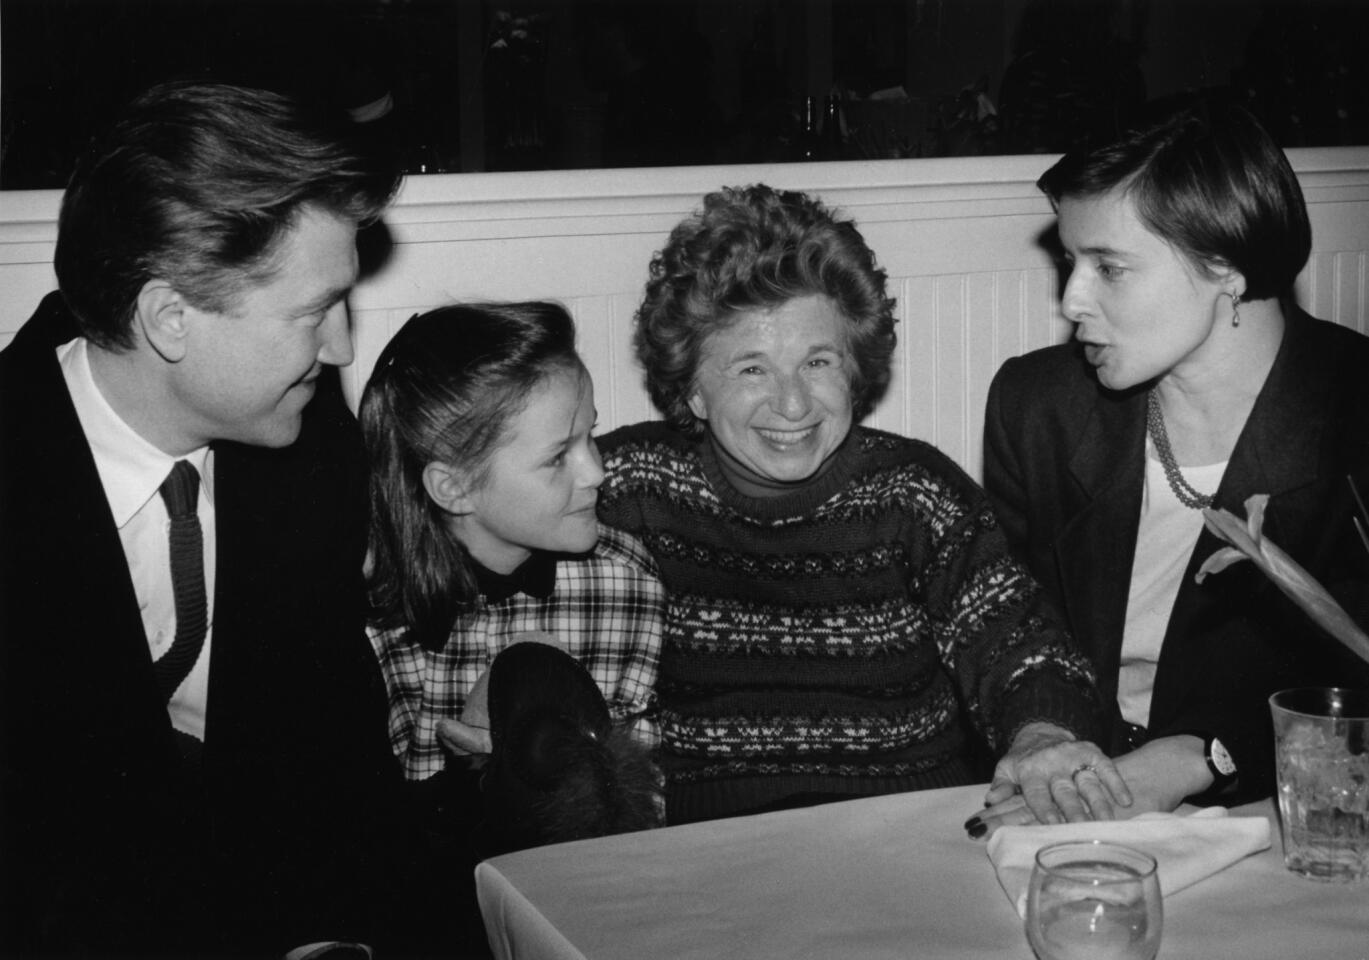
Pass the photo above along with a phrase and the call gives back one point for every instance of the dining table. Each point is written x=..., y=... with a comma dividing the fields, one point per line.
x=891, y=876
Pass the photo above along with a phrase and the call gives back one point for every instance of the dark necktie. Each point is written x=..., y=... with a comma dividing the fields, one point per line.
x=181, y=491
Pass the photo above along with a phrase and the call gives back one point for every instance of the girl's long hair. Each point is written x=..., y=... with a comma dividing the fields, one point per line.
x=444, y=390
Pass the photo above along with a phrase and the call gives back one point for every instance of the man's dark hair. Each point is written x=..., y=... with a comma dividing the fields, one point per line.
x=196, y=184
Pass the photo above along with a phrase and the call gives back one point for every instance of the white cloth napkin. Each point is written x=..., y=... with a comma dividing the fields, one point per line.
x=1186, y=848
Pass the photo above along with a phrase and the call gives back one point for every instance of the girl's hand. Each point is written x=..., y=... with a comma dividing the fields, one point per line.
x=462, y=739
x=1058, y=777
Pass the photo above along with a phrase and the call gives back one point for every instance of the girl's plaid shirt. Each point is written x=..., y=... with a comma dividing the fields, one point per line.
x=607, y=607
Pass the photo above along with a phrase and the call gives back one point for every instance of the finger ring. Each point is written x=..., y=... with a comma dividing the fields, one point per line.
x=1080, y=769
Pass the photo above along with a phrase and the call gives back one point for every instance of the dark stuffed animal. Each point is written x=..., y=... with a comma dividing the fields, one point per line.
x=560, y=769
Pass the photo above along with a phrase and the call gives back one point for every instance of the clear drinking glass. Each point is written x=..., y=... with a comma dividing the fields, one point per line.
x=1321, y=754
x=1091, y=900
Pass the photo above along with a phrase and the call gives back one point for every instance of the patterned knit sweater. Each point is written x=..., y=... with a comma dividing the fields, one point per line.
x=840, y=640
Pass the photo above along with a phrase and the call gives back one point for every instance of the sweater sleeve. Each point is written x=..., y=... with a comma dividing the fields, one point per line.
x=1012, y=661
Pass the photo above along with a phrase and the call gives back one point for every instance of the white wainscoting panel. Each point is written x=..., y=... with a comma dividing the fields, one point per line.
x=961, y=240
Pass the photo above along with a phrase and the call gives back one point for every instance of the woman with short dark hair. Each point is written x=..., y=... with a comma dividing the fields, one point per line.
x=1212, y=184
x=1195, y=381
x=843, y=619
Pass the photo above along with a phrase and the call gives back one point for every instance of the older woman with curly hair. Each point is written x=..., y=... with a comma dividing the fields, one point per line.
x=844, y=618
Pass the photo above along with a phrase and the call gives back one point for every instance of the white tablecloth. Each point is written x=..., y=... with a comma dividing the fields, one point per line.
x=886, y=877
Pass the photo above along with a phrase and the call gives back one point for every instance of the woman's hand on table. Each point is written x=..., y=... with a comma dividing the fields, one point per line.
x=1162, y=772
x=1048, y=776
x=1159, y=775
x=462, y=739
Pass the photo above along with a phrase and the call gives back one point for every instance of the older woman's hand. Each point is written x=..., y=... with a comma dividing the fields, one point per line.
x=1058, y=777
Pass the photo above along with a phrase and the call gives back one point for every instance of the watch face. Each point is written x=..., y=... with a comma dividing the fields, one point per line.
x=1221, y=759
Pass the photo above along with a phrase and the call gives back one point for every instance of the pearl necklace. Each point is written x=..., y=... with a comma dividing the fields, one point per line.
x=1155, y=423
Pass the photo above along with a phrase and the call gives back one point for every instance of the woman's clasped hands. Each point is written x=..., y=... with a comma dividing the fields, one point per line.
x=1049, y=776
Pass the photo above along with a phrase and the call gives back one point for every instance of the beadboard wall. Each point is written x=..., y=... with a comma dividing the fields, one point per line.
x=959, y=238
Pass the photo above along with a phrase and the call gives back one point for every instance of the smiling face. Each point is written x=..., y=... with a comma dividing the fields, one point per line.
x=249, y=371
x=1142, y=309
x=775, y=387
x=540, y=485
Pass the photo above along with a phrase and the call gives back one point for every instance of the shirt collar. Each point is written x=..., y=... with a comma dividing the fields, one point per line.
x=535, y=576
x=131, y=469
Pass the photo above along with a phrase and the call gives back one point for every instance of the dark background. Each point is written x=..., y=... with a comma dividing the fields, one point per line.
x=508, y=85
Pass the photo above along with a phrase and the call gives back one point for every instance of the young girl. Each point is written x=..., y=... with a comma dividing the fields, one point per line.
x=484, y=481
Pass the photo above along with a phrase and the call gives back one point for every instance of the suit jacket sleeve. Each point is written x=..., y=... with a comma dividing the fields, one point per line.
x=1003, y=478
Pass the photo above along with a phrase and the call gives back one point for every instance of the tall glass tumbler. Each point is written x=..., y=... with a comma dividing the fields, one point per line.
x=1321, y=752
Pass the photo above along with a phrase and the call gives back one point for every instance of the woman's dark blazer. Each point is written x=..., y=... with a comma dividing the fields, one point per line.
x=1064, y=464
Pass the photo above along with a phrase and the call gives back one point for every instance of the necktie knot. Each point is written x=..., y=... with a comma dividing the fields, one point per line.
x=181, y=490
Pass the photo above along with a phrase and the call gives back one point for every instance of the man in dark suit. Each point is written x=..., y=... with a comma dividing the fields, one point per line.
x=193, y=757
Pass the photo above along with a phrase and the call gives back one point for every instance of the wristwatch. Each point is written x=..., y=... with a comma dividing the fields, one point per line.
x=1219, y=762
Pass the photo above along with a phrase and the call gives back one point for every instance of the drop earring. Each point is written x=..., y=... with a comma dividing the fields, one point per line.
x=1235, y=309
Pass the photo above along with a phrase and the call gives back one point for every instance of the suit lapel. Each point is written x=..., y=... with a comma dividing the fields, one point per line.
x=255, y=579
x=106, y=660
x=1095, y=548
x=1277, y=452
x=1280, y=448
x=231, y=686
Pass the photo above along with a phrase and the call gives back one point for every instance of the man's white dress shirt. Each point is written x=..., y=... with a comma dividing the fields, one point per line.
x=131, y=471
